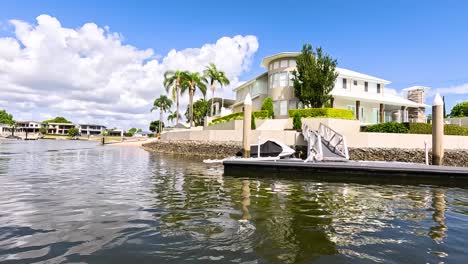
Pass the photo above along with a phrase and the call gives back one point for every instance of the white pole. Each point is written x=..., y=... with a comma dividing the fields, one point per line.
x=437, y=130
x=247, y=124
x=258, y=151
x=426, y=152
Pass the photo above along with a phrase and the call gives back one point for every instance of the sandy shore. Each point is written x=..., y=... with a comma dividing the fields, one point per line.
x=136, y=143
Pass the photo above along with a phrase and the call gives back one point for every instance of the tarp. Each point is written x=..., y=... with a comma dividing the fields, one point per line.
x=267, y=149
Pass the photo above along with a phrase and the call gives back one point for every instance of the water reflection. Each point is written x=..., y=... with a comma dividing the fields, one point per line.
x=439, y=231
x=86, y=205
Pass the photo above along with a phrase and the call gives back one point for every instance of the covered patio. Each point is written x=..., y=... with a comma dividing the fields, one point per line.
x=377, y=108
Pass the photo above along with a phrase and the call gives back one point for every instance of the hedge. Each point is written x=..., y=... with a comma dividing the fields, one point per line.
x=322, y=112
x=258, y=114
x=423, y=128
x=415, y=128
x=390, y=127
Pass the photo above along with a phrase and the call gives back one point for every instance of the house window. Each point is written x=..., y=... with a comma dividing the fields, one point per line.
x=283, y=79
x=352, y=108
x=378, y=88
x=271, y=66
x=284, y=63
x=275, y=80
x=355, y=82
x=344, y=83
x=366, y=86
x=276, y=65
x=292, y=63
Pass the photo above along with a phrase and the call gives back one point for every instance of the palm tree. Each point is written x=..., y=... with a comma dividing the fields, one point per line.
x=163, y=103
x=192, y=81
x=172, y=116
x=215, y=76
x=173, y=80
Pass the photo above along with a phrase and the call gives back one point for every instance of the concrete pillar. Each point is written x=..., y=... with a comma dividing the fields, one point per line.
x=247, y=124
x=403, y=114
x=381, y=114
x=437, y=130
x=358, y=106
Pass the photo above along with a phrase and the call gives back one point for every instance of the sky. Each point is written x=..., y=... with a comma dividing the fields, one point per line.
x=103, y=61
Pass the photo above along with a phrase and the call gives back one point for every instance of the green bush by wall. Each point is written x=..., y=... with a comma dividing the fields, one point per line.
x=259, y=114
x=422, y=128
x=322, y=112
x=390, y=127
x=297, y=122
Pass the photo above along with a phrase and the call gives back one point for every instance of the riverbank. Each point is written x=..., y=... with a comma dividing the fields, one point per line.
x=228, y=149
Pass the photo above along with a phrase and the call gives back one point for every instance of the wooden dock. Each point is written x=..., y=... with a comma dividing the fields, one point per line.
x=362, y=171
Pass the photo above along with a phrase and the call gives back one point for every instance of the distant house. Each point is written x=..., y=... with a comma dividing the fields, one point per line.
x=59, y=128
x=221, y=106
x=28, y=126
x=363, y=94
x=90, y=129
x=116, y=133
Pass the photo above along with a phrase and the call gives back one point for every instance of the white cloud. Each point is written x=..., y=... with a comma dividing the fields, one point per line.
x=89, y=75
x=456, y=89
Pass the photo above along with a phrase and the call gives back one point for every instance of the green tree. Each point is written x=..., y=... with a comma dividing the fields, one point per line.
x=192, y=81
x=155, y=125
x=213, y=75
x=43, y=130
x=268, y=105
x=172, y=116
x=459, y=110
x=315, y=77
x=6, y=118
x=58, y=119
x=172, y=82
x=200, y=109
x=164, y=104
x=73, y=132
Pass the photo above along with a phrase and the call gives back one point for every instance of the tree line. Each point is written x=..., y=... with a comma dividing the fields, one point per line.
x=178, y=83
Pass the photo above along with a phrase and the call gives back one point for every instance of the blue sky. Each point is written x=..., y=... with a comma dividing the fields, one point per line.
x=406, y=42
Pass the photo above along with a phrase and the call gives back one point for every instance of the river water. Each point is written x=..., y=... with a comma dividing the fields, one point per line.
x=79, y=202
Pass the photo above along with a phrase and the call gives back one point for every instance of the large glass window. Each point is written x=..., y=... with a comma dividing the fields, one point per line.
x=276, y=65
x=275, y=80
x=344, y=83
x=291, y=79
x=292, y=63
x=283, y=79
x=284, y=63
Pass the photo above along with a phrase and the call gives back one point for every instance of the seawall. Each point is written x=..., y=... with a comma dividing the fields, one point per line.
x=228, y=149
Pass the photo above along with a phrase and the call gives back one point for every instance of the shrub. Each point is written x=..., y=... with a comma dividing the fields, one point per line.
x=253, y=126
x=422, y=128
x=455, y=130
x=322, y=112
x=261, y=114
x=297, y=122
x=390, y=127
x=267, y=105
x=226, y=118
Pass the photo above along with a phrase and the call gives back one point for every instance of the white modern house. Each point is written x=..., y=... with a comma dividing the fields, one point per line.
x=91, y=129
x=28, y=126
x=365, y=95
x=59, y=128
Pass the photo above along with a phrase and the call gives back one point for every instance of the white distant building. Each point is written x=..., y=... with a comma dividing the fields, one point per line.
x=59, y=128
x=363, y=94
x=90, y=129
x=28, y=126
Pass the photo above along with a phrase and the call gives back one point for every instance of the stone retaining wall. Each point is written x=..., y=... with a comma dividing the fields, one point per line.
x=229, y=149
